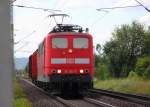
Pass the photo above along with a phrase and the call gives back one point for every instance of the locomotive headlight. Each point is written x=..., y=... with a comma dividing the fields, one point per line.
x=81, y=71
x=70, y=50
x=59, y=71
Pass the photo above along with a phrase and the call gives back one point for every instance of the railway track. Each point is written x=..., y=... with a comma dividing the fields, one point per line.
x=82, y=102
x=58, y=99
x=142, y=100
x=88, y=101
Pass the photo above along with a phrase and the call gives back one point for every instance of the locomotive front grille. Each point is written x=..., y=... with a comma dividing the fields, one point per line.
x=70, y=78
x=71, y=82
x=70, y=60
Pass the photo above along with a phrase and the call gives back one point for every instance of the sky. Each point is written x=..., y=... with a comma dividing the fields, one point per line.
x=32, y=25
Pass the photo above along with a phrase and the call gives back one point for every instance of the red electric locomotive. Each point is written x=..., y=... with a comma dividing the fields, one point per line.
x=64, y=60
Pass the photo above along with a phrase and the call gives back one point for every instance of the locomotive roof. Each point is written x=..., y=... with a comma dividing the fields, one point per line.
x=69, y=34
x=68, y=28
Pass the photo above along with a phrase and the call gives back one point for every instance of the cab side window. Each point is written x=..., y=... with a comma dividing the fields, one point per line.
x=41, y=48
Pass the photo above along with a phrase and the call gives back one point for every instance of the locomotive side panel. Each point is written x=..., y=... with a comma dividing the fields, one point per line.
x=34, y=65
x=30, y=66
x=42, y=76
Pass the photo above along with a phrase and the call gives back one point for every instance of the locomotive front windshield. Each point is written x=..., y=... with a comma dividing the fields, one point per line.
x=59, y=43
x=80, y=43
x=77, y=43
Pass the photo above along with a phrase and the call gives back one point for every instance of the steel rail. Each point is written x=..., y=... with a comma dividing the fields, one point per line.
x=59, y=99
x=66, y=103
x=98, y=103
x=143, y=100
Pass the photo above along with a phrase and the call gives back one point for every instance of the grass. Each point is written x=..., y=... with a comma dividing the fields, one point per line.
x=20, y=99
x=127, y=85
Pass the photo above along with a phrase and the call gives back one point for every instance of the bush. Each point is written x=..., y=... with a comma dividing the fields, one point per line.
x=143, y=67
x=102, y=72
x=133, y=75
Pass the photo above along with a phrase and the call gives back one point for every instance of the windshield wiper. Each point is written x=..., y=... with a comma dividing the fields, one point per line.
x=56, y=46
x=84, y=47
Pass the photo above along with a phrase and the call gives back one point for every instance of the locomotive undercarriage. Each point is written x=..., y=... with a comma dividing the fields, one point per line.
x=67, y=84
x=70, y=84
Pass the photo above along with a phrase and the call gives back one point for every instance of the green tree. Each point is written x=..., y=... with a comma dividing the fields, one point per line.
x=143, y=67
x=124, y=48
x=146, y=49
x=98, y=48
x=96, y=60
x=100, y=58
x=101, y=68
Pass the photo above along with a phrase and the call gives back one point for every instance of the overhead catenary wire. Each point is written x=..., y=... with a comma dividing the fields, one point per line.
x=25, y=37
x=21, y=47
x=108, y=10
x=119, y=7
x=32, y=32
x=44, y=9
x=100, y=18
x=143, y=6
x=63, y=4
x=25, y=51
x=13, y=1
